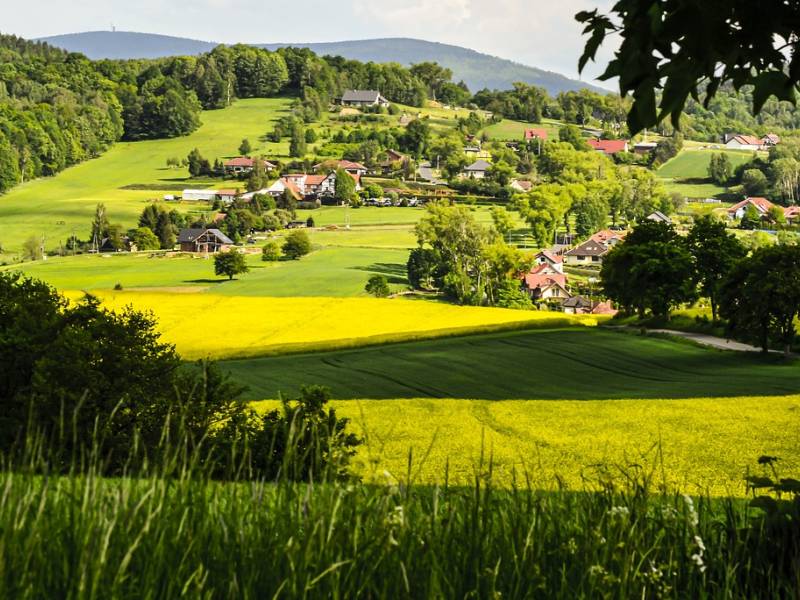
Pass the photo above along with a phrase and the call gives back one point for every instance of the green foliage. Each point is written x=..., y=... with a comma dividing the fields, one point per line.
x=297, y=145
x=651, y=270
x=715, y=253
x=502, y=220
x=571, y=134
x=230, y=263
x=761, y=296
x=271, y=251
x=296, y=245
x=198, y=166
x=344, y=188
x=679, y=47
x=754, y=182
x=424, y=269
x=751, y=218
x=378, y=286
x=144, y=239
x=720, y=169
x=245, y=148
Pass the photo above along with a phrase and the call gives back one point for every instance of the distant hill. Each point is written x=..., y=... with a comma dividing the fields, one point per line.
x=477, y=70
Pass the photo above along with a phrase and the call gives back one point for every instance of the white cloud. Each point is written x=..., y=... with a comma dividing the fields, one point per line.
x=407, y=16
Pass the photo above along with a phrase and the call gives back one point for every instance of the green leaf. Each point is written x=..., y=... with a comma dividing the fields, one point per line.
x=765, y=503
x=771, y=83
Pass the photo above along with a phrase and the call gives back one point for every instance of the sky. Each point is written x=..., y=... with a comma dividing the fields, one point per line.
x=539, y=33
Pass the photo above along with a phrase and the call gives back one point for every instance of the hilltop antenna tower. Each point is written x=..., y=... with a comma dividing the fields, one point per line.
x=113, y=28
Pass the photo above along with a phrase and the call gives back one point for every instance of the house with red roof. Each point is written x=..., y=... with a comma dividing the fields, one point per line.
x=770, y=139
x=535, y=134
x=354, y=168
x=545, y=283
x=743, y=142
x=762, y=205
x=521, y=185
x=243, y=164
x=609, y=147
x=792, y=214
x=553, y=260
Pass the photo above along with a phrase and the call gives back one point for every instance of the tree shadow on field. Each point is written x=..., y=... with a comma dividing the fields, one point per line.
x=394, y=272
x=217, y=281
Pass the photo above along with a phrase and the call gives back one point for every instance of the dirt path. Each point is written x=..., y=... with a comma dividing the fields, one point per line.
x=711, y=340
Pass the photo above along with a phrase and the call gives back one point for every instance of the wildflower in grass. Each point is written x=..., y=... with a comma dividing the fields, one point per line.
x=619, y=511
x=690, y=510
x=697, y=557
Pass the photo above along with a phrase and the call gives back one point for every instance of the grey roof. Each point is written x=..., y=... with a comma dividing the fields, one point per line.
x=588, y=248
x=479, y=165
x=576, y=302
x=361, y=96
x=190, y=235
x=657, y=215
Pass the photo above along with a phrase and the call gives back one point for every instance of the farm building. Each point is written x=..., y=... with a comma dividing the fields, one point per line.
x=363, y=98
x=228, y=195
x=743, y=142
x=206, y=195
x=658, y=217
x=207, y=241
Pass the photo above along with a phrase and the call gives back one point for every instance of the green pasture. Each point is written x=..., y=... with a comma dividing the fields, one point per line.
x=511, y=130
x=55, y=207
x=687, y=173
x=550, y=365
x=328, y=271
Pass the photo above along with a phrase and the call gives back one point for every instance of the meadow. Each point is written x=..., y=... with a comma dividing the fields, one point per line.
x=55, y=207
x=687, y=173
x=508, y=129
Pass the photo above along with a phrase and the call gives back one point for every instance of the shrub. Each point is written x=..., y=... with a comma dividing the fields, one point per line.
x=271, y=251
x=378, y=286
x=297, y=245
x=230, y=263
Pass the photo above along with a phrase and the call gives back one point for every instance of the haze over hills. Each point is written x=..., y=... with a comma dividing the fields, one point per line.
x=476, y=69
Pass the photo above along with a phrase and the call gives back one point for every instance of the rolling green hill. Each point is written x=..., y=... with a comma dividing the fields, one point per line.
x=582, y=364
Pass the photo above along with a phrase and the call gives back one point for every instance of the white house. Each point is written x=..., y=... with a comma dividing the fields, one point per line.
x=762, y=206
x=744, y=142
x=363, y=98
x=521, y=185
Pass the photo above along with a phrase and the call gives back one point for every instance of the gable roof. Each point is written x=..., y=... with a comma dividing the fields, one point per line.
x=550, y=257
x=762, y=205
x=657, y=215
x=523, y=184
x=605, y=235
x=531, y=134
x=588, y=248
x=361, y=96
x=190, y=235
x=577, y=302
x=746, y=140
x=240, y=161
x=791, y=212
x=609, y=146
x=771, y=138
x=479, y=165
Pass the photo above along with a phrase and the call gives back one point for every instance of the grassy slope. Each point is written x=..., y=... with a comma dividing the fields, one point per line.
x=577, y=364
x=687, y=173
x=56, y=206
x=508, y=129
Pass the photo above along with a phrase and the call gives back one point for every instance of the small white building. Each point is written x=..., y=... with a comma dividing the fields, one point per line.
x=202, y=195
x=476, y=170
x=363, y=98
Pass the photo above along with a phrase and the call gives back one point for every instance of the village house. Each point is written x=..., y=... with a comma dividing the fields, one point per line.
x=535, y=134
x=554, y=261
x=476, y=170
x=243, y=165
x=306, y=186
x=394, y=160
x=206, y=241
x=770, y=139
x=762, y=206
x=580, y=305
x=609, y=147
x=643, y=148
x=227, y=196
x=658, y=217
x=743, y=142
x=544, y=283
x=361, y=98
x=521, y=185
x=592, y=251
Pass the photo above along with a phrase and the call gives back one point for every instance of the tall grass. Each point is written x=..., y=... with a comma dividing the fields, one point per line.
x=174, y=531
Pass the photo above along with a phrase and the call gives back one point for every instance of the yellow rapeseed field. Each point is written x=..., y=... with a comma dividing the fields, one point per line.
x=706, y=445
x=206, y=325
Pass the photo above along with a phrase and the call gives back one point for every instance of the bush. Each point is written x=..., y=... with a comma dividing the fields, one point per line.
x=378, y=286
x=271, y=251
x=297, y=245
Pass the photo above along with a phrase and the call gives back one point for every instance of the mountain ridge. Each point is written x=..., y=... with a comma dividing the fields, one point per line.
x=476, y=69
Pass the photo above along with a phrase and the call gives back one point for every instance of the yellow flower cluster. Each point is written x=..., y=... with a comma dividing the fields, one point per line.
x=210, y=325
x=692, y=445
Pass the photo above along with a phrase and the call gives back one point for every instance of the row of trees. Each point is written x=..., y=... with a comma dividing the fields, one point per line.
x=656, y=270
